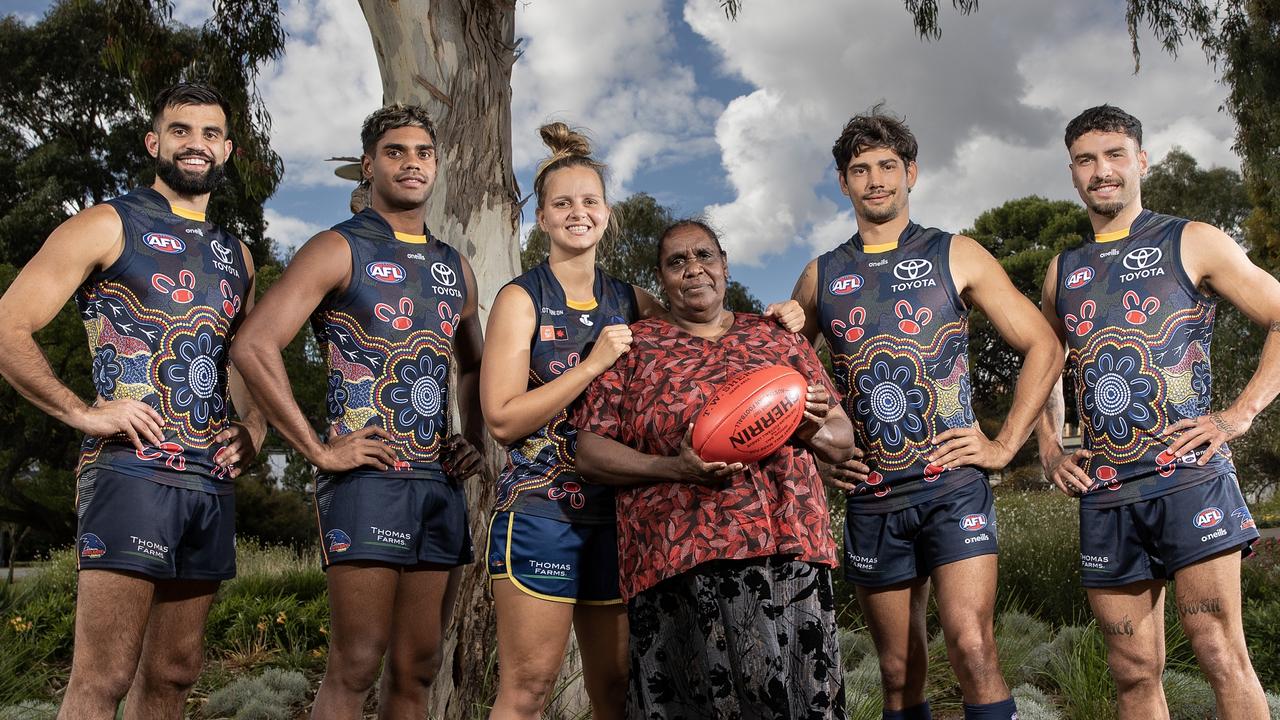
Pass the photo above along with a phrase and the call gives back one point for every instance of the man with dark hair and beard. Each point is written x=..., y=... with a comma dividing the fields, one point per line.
x=1133, y=309
x=161, y=291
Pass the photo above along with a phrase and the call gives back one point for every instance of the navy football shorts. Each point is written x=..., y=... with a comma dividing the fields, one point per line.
x=894, y=547
x=394, y=520
x=163, y=532
x=1153, y=539
x=555, y=560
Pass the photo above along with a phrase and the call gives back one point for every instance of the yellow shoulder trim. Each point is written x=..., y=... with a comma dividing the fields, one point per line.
x=1112, y=236
x=583, y=306
x=185, y=213
x=882, y=247
x=411, y=239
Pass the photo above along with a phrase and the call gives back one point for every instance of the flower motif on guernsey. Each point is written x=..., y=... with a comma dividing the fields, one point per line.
x=1119, y=393
x=890, y=399
x=107, y=369
x=418, y=396
x=193, y=374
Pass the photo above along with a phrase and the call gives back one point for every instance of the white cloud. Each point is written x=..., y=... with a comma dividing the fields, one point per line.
x=322, y=89
x=613, y=71
x=987, y=102
x=192, y=12
x=289, y=232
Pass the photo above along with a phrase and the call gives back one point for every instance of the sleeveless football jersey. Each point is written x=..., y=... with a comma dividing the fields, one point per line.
x=539, y=477
x=387, y=340
x=159, y=321
x=1138, y=337
x=899, y=337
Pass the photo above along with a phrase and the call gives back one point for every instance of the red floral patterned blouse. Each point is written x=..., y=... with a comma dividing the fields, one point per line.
x=646, y=400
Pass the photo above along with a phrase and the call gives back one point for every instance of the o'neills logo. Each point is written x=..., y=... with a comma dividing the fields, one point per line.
x=913, y=274
x=1142, y=262
x=757, y=428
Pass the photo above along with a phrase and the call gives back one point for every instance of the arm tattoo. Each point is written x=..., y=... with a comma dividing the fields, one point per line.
x=1275, y=326
x=1221, y=424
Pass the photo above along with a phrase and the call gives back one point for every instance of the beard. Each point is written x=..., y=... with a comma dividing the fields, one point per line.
x=186, y=183
x=1108, y=208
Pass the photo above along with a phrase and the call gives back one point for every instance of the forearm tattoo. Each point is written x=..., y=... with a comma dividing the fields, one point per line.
x=1221, y=424
x=1275, y=326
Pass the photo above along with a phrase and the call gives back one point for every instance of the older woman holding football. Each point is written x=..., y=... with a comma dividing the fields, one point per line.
x=726, y=567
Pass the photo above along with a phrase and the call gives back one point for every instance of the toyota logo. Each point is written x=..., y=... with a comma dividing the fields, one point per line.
x=912, y=269
x=220, y=250
x=1142, y=258
x=443, y=274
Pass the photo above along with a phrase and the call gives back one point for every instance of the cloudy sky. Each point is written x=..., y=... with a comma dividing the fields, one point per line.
x=736, y=119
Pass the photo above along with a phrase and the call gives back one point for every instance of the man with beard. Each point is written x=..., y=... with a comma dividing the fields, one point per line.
x=161, y=291
x=1159, y=499
x=392, y=308
x=893, y=305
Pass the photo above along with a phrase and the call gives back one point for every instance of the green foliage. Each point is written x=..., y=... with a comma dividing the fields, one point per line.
x=629, y=250
x=1189, y=696
x=1040, y=549
x=1023, y=642
x=273, y=515
x=1248, y=48
x=1033, y=704
x=271, y=695
x=29, y=710
x=74, y=107
x=1077, y=668
x=1024, y=235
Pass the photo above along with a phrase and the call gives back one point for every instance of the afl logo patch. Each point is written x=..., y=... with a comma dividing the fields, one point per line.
x=846, y=284
x=385, y=272
x=164, y=243
x=1208, y=517
x=974, y=522
x=1079, y=278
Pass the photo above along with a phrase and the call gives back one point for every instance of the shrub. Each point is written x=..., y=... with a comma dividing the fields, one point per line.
x=1189, y=696
x=1040, y=556
x=29, y=710
x=268, y=696
x=1023, y=642
x=1033, y=704
x=1077, y=670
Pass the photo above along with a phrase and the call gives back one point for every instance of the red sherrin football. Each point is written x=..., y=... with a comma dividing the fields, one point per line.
x=751, y=415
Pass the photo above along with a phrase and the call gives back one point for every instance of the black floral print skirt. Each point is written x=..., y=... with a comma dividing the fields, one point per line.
x=737, y=640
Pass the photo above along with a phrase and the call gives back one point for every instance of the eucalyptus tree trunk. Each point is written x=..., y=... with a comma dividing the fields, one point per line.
x=454, y=57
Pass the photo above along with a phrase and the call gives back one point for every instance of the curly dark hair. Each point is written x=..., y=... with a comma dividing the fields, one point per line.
x=876, y=128
x=1104, y=118
x=391, y=117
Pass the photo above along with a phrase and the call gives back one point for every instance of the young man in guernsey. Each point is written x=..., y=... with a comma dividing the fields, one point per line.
x=161, y=291
x=1159, y=499
x=392, y=308
x=893, y=304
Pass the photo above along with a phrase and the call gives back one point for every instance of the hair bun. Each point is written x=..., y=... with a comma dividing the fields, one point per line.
x=563, y=140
